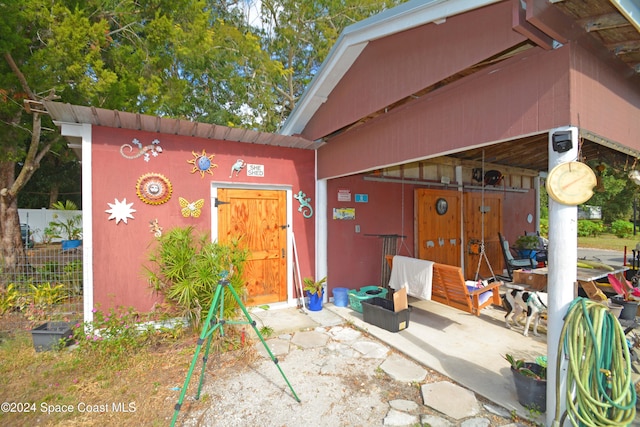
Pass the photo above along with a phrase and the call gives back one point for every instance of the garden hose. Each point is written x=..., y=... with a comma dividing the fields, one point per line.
x=599, y=390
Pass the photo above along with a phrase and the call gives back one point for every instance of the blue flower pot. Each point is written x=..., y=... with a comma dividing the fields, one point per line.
x=315, y=302
x=527, y=253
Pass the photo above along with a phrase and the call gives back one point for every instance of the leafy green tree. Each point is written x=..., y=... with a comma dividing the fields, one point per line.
x=616, y=197
x=300, y=34
x=170, y=58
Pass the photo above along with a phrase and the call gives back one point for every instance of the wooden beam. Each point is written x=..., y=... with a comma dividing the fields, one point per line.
x=604, y=22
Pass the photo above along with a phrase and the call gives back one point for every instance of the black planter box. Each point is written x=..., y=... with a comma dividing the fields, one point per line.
x=48, y=335
x=379, y=312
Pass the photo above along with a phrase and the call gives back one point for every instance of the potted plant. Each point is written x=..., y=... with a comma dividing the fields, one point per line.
x=67, y=227
x=527, y=246
x=530, y=379
x=314, y=290
x=627, y=296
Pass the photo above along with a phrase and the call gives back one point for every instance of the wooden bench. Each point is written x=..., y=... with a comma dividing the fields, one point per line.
x=449, y=287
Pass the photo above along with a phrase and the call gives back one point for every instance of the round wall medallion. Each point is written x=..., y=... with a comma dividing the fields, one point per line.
x=154, y=188
x=442, y=206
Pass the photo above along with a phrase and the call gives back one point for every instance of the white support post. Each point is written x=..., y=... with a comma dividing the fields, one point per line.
x=561, y=281
x=321, y=232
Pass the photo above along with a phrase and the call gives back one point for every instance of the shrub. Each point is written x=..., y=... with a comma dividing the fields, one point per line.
x=589, y=228
x=621, y=228
x=112, y=334
x=186, y=268
x=48, y=294
x=544, y=226
x=8, y=298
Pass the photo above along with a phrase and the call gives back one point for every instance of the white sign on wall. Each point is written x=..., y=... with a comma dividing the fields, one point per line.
x=255, y=170
x=344, y=195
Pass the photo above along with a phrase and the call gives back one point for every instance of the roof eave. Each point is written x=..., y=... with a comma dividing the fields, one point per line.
x=630, y=9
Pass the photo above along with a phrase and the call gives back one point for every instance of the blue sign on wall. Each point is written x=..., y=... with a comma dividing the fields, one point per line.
x=362, y=198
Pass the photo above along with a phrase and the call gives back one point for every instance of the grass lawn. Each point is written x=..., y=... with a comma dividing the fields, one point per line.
x=609, y=241
x=75, y=388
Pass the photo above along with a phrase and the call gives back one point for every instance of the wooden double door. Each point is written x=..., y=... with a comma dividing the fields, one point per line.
x=451, y=227
x=258, y=218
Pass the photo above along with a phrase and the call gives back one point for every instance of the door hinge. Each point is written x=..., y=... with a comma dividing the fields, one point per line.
x=219, y=202
x=284, y=226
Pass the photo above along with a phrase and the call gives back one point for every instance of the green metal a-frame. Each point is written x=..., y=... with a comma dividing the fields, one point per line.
x=211, y=324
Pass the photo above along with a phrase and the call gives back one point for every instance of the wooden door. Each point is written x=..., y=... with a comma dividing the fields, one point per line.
x=259, y=219
x=438, y=230
x=479, y=214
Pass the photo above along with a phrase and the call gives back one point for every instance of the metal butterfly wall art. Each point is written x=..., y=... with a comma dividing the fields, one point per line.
x=192, y=209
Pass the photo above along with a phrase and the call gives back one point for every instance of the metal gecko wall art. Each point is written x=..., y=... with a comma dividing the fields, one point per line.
x=237, y=167
x=155, y=228
x=304, y=204
x=145, y=152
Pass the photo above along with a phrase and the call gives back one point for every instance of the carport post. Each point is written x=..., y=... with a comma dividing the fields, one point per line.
x=562, y=262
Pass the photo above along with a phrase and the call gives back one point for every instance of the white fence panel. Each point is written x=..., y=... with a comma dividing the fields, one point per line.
x=39, y=219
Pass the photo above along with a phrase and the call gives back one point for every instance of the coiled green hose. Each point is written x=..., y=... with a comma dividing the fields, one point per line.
x=599, y=387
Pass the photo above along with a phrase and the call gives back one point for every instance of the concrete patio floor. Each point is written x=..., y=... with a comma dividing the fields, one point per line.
x=466, y=348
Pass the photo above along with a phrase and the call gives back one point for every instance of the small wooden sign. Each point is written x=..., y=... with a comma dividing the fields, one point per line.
x=400, y=300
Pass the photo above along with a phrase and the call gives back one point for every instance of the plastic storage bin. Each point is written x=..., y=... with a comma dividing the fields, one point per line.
x=367, y=292
x=379, y=312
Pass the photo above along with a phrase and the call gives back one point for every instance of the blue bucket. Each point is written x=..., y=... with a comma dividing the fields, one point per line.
x=340, y=297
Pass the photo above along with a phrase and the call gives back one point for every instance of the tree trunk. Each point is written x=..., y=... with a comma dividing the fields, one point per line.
x=10, y=240
x=53, y=194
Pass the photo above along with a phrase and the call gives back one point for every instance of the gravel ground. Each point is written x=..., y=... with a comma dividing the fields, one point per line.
x=337, y=386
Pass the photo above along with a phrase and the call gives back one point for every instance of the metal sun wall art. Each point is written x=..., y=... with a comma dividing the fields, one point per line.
x=202, y=163
x=193, y=209
x=120, y=211
x=154, y=188
x=146, y=152
x=305, y=207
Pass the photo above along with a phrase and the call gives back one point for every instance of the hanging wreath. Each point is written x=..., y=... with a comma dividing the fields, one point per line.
x=154, y=188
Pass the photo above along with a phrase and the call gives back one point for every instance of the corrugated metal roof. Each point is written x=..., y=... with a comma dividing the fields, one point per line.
x=68, y=113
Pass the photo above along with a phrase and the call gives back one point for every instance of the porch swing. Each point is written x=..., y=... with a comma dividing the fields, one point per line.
x=449, y=287
x=479, y=247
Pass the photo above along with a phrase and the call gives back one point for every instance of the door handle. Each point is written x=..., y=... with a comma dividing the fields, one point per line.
x=282, y=252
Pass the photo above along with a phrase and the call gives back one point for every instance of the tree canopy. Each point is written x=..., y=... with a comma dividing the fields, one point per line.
x=241, y=64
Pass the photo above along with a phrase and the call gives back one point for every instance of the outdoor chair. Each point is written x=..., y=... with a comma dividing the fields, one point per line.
x=512, y=263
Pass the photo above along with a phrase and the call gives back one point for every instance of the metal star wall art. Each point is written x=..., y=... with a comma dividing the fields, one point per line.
x=120, y=211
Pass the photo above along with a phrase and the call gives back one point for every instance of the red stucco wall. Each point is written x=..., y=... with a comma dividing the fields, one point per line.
x=521, y=96
x=120, y=250
x=602, y=102
x=355, y=259
x=405, y=63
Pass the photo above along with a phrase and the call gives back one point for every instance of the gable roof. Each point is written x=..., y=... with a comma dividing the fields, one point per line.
x=613, y=25
x=354, y=39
